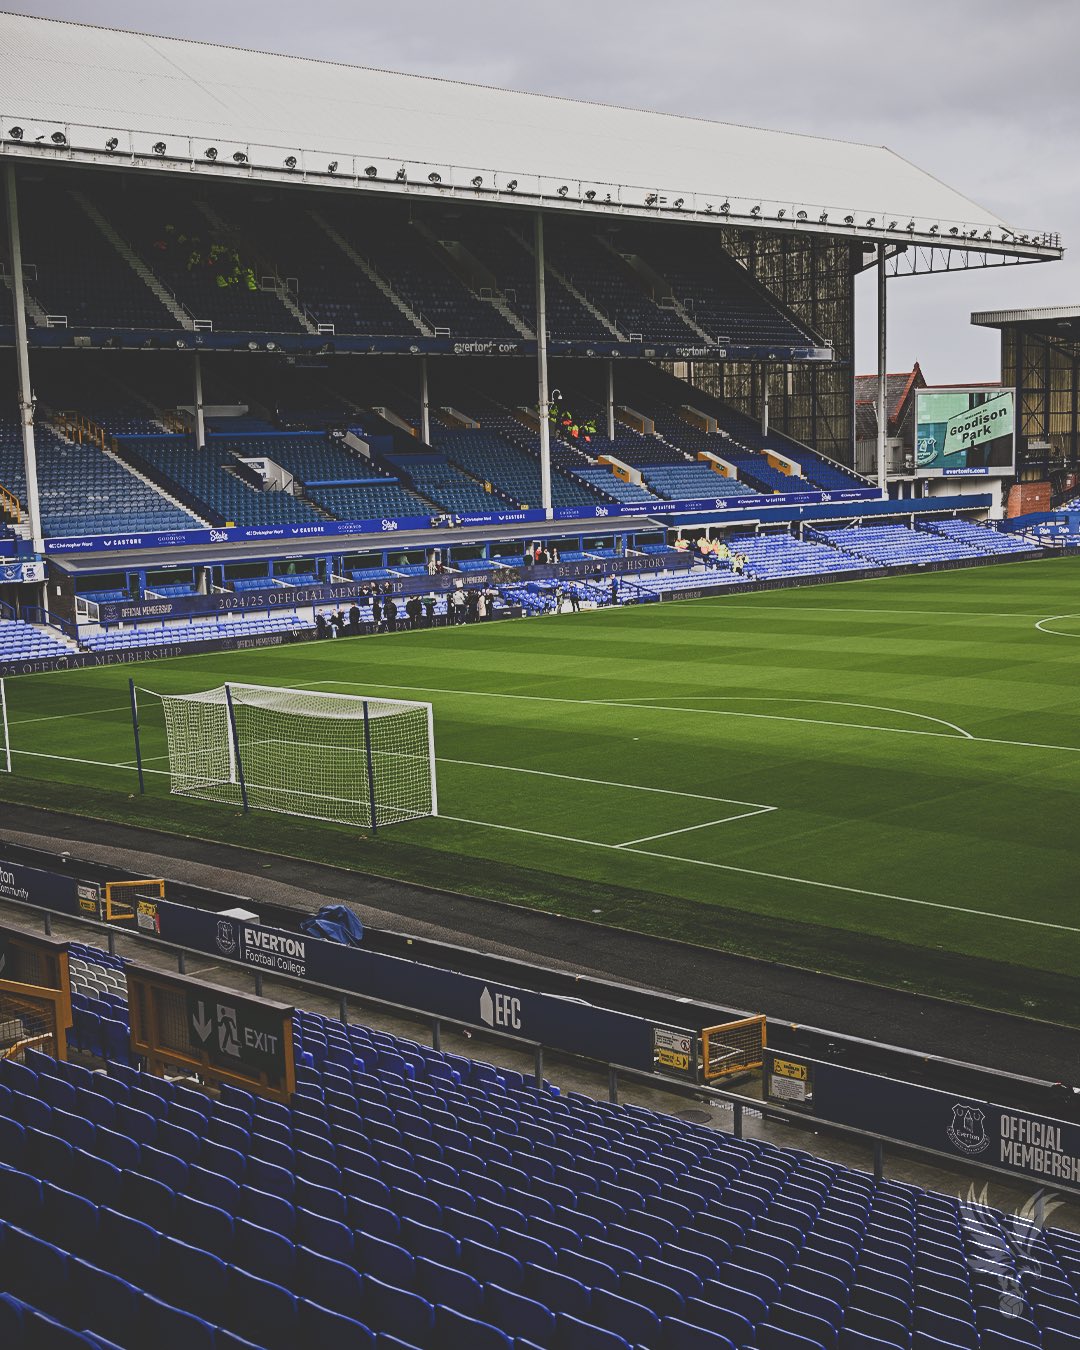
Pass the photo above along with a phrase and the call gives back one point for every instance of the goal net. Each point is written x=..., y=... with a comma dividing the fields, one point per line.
x=338, y=757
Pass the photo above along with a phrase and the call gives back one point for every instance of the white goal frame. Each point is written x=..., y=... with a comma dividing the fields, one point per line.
x=346, y=758
x=5, y=733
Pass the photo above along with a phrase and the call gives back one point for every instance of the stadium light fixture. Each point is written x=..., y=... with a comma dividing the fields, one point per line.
x=239, y=157
x=725, y=207
x=15, y=133
x=849, y=220
x=401, y=175
x=211, y=152
x=332, y=166
x=781, y=213
x=58, y=138
x=755, y=210
x=986, y=234
x=871, y=222
x=371, y=171
x=677, y=204
x=512, y=185
x=290, y=162
x=650, y=200
x=823, y=219
x=432, y=177
x=892, y=224
x=590, y=196
x=253, y=346
x=478, y=181
x=564, y=190
x=159, y=147
x=911, y=226
x=111, y=143
x=933, y=229
x=953, y=230
x=800, y=215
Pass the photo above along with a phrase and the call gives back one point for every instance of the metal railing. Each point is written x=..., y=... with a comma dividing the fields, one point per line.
x=741, y=1103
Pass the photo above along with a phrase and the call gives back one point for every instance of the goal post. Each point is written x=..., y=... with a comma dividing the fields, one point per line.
x=5, y=737
x=345, y=758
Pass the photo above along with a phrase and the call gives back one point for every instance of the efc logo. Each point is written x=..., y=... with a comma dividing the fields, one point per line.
x=500, y=1011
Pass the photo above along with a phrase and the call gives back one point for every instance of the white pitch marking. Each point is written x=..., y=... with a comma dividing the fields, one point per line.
x=699, y=712
x=824, y=702
x=605, y=782
x=771, y=876
x=686, y=829
x=1053, y=618
x=99, y=763
x=57, y=717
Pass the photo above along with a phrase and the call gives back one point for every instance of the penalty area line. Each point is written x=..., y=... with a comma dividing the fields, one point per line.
x=771, y=876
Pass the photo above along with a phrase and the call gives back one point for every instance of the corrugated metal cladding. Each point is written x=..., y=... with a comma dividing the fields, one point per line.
x=64, y=73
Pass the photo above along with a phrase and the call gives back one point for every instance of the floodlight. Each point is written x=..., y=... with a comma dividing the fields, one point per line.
x=478, y=181
x=332, y=166
x=290, y=162
x=563, y=190
x=892, y=224
x=253, y=346
x=849, y=220
x=210, y=152
x=823, y=219
x=953, y=229
x=401, y=175
x=871, y=222
x=15, y=134
x=911, y=225
x=512, y=185
x=781, y=213
x=58, y=138
x=726, y=207
x=371, y=171
x=677, y=203
x=271, y=346
x=432, y=177
x=590, y=196
x=755, y=210
x=933, y=229
x=986, y=234
x=159, y=147
x=650, y=200
x=239, y=157
x=800, y=215
x=111, y=143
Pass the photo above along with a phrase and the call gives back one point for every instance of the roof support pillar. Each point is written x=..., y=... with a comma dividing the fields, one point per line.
x=200, y=414
x=542, y=367
x=25, y=395
x=425, y=403
x=610, y=399
x=882, y=367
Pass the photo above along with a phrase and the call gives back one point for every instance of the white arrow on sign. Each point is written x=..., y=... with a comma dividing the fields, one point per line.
x=203, y=1025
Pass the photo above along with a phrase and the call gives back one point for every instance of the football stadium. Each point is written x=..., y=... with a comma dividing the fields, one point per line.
x=450, y=567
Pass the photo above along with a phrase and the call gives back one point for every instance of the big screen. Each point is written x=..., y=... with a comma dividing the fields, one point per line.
x=961, y=432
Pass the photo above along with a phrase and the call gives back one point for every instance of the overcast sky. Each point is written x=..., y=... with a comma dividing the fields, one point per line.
x=982, y=93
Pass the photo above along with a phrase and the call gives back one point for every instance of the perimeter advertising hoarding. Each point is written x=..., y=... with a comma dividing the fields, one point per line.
x=965, y=432
x=970, y=1129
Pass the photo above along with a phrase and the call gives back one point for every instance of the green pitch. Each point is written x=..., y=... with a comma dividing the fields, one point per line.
x=879, y=778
